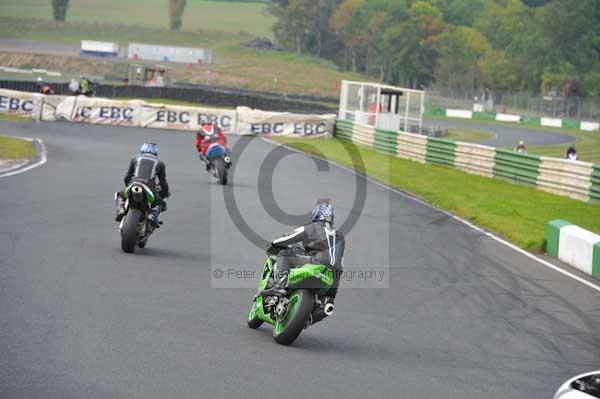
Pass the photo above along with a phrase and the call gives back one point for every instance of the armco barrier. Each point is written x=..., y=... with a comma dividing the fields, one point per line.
x=343, y=130
x=575, y=246
x=385, y=142
x=475, y=158
x=484, y=116
x=568, y=178
x=531, y=120
x=578, y=180
x=440, y=151
x=412, y=147
x=516, y=167
x=364, y=135
x=594, y=193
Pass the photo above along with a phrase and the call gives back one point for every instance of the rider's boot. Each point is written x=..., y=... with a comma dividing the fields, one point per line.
x=153, y=216
x=120, y=207
x=279, y=287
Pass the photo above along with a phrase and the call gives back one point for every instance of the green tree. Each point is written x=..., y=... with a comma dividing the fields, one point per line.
x=515, y=30
x=414, y=44
x=569, y=28
x=591, y=82
x=59, y=9
x=295, y=24
x=176, y=8
x=461, y=12
x=497, y=71
x=344, y=23
x=373, y=18
x=460, y=50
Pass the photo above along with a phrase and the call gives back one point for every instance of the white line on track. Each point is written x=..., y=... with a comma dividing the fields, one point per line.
x=453, y=216
x=43, y=158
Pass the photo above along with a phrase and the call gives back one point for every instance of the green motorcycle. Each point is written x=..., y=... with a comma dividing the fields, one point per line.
x=134, y=227
x=304, y=304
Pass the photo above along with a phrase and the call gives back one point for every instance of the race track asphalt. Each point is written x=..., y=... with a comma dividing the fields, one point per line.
x=463, y=317
x=504, y=136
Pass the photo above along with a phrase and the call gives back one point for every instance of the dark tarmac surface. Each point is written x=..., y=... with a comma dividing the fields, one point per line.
x=463, y=317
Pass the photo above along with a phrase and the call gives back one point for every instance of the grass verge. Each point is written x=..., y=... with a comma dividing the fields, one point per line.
x=466, y=135
x=516, y=212
x=13, y=148
x=14, y=118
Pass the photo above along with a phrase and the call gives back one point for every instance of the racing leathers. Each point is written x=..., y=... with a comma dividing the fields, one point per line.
x=204, y=144
x=146, y=169
x=318, y=243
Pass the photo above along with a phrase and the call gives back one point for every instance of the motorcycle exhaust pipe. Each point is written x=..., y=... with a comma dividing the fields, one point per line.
x=137, y=192
x=329, y=309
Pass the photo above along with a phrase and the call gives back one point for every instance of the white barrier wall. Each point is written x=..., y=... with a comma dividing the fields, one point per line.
x=187, y=118
x=508, y=118
x=20, y=103
x=102, y=111
x=552, y=122
x=139, y=113
x=459, y=113
x=252, y=121
x=590, y=126
x=576, y=247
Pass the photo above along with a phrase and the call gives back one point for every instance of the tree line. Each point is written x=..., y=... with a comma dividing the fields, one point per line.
x=548, y=46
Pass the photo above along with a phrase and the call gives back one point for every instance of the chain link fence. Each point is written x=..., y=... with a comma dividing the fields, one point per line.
x=522, y=103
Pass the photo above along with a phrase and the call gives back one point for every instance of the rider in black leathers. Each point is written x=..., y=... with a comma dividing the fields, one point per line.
x=316, y=242
x=146, y=168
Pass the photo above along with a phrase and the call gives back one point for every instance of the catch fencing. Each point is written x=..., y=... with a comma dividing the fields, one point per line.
x=202, y=94
x=574, y=179
x=520, y=103
x=525, y=120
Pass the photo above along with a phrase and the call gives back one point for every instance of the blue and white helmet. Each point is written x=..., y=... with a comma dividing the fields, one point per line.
x=149, y=148
x=324, y=212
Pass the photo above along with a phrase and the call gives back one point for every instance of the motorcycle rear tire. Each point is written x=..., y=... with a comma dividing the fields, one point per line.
x=219, y=165
x=129, y=232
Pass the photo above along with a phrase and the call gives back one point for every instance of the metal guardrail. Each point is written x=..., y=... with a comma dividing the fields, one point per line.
x=516, y=167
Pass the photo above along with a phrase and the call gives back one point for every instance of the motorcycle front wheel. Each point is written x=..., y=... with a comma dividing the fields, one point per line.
x=300, y=306
x=253, y=321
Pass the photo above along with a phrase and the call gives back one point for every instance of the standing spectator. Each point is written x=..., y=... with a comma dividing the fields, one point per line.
x=74, y=87
x=39, y=84
x=94, y=85
x=43, y=87
x=521, y=147
x=571, y=154
x=84, y=86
